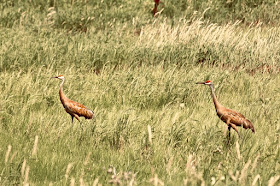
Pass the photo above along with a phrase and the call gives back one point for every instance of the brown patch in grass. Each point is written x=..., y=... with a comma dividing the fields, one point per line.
x=264, y=68
x=97, y=71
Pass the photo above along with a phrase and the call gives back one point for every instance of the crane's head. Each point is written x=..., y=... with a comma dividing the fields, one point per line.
x=208, y=82
x=61, y=77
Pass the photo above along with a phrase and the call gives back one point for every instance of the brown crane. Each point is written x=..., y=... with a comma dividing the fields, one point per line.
x=156, y=5
x=230, y=117
x=73, y=108
x=157, y=2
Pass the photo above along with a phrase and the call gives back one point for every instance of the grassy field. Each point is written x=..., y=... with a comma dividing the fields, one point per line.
x=153, y=125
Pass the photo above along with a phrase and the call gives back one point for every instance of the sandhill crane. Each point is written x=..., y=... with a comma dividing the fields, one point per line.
x=230, y=117
x=71, y=107
x=155, y=8
x=157, y=2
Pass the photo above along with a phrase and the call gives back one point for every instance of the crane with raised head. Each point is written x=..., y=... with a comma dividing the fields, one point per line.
x=230, y=117
x=73, y=108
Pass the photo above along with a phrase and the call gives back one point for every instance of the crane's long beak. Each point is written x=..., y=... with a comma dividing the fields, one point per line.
x=200, y=83
x=53, y=77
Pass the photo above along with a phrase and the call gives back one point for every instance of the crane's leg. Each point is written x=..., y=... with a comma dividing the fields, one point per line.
x=235, y=128
x=72, y=119
x=229, y=127
x=77, y=117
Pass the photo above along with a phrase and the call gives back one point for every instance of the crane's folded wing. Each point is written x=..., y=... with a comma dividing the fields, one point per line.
x=79, y=109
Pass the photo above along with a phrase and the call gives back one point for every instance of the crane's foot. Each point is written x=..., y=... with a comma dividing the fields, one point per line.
x=235, y=128
x=229, y=127
x=239, y=135
x=228, y=141
x=81, y=126
x=93, y=129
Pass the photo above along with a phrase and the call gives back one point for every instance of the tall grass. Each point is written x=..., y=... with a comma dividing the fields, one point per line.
x=153, y=124
x=181, y=116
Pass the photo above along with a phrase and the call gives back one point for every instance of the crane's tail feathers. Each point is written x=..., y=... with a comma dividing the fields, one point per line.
x=252, y=128
x=250, y=125
x=89, y=114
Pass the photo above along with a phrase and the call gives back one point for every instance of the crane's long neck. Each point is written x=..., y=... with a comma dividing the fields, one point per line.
x=61, y=94
x=216, y=103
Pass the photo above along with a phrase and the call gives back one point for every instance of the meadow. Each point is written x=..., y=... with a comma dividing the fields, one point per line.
x=153, y=125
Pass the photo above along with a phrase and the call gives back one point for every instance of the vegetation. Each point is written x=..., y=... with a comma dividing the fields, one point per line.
x=153, y=124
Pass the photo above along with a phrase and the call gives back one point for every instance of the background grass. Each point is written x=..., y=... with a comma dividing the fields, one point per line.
x=137, y=71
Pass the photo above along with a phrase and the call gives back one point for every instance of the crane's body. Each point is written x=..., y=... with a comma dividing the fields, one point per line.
x=230, y=117
x=73, y=108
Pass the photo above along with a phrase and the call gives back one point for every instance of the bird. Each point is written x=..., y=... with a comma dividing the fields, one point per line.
x=155, y=8
x=157, y=2
x=73, y=108
x=228, y=116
